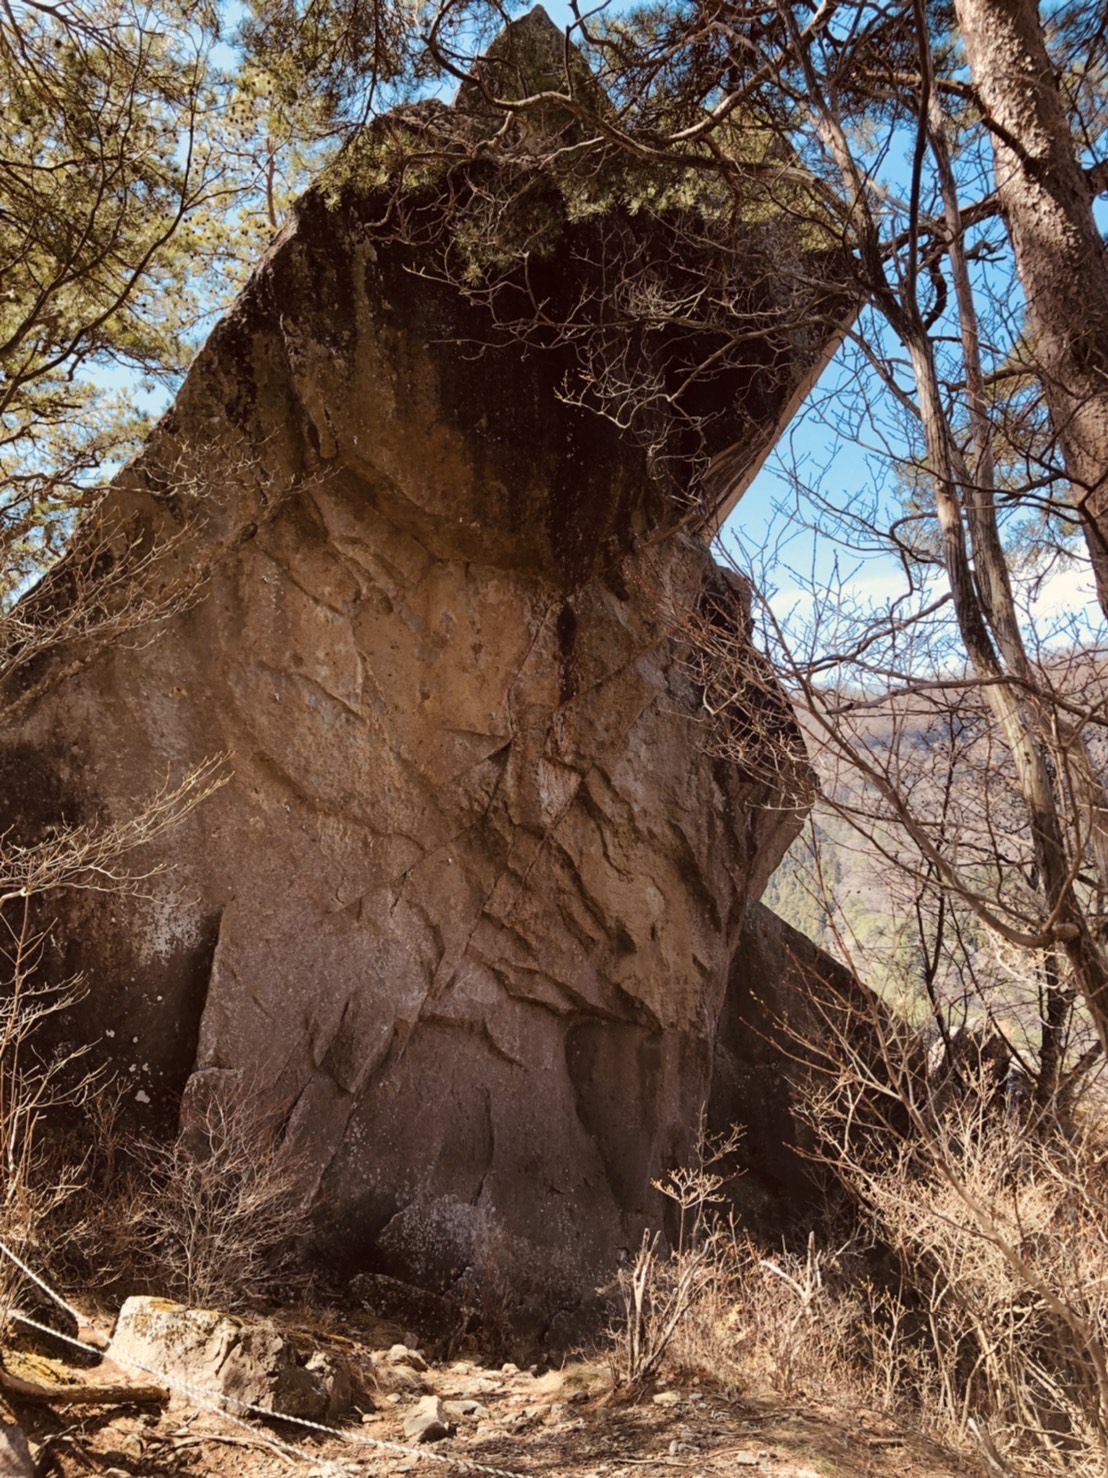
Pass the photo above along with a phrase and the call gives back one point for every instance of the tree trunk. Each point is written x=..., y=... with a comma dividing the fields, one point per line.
x=1059, y=254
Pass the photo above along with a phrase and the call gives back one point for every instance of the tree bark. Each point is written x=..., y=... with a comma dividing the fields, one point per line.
x=1060, y=257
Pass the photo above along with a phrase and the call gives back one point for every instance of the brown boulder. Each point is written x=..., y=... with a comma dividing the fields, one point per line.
x=209, y=1357
x=469, y=901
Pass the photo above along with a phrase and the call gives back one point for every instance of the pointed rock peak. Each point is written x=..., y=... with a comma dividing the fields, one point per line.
x=536, y=19
x=531, y=55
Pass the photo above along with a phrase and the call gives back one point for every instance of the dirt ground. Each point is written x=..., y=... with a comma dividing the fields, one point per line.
x=560, y=1423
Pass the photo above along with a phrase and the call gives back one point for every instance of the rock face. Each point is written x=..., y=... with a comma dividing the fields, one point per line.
x=764, y=1033
x=468, y=904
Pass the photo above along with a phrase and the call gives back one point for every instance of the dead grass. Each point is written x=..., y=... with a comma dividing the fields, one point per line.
x=974, y=1305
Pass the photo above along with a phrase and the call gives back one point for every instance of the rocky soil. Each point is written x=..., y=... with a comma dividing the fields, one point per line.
x=412, y=1415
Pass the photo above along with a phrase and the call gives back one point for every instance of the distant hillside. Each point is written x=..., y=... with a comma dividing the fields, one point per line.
x=856, y=884
x=836, y=890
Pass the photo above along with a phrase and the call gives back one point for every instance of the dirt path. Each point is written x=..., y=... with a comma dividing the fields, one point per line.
x=561, y=1424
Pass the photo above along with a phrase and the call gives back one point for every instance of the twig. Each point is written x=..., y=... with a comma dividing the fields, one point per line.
x=230, y=1441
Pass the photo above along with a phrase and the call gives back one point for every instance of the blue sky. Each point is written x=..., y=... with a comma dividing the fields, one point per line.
x=767, y=517
x=770, y=518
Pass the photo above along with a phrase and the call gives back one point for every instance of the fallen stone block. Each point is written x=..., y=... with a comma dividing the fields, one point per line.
x=209, y=1356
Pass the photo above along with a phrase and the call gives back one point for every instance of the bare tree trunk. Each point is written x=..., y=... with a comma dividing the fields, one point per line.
x=1066, y=918
x=1059, y=254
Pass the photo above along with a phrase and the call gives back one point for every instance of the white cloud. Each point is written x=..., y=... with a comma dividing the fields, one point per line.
x=1059, y=608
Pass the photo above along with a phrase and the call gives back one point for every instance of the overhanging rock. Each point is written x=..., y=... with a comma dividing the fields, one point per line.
x=468, y=905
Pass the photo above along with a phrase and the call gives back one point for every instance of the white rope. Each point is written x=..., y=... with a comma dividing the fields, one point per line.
x=215, y=1402
x=34, y=1277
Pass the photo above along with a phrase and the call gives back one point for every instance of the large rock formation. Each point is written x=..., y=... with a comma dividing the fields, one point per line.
x=469, y=903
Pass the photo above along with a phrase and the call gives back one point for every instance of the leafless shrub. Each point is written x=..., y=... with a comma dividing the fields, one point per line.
x=661, y=1288
x=488, y=1297
x=971, y=1295
x=745, y=717
x=98, y=858
x=794, y=1323
x=137, y=553
x=38, y=1076
x=224, y=1203
x=52, y=1194
x=725, y=1307
x=994, y=1205
x=115, y=586
x=33, y=1084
